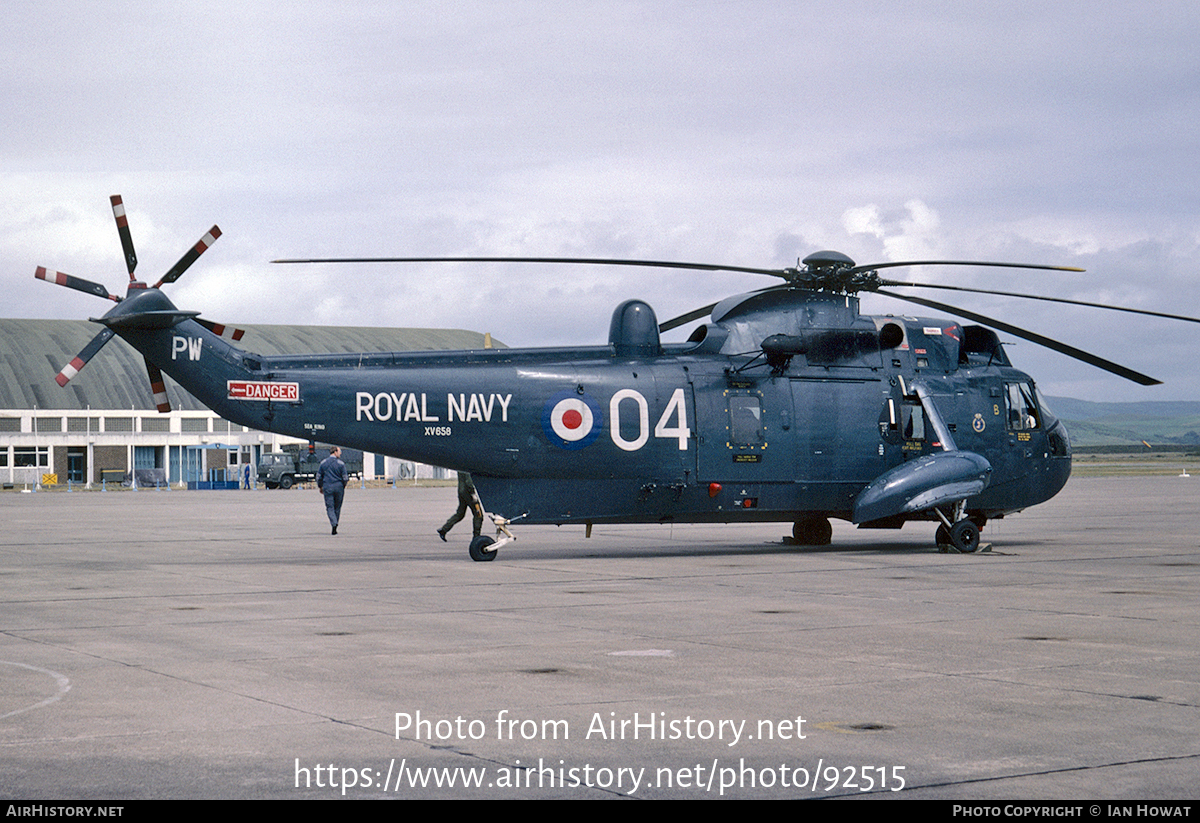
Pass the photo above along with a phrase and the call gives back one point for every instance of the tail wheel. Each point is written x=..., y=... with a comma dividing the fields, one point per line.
x=479, y=549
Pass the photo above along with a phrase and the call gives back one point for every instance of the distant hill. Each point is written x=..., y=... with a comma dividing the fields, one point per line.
x=1175, y=422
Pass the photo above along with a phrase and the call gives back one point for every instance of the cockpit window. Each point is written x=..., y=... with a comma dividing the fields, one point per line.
x=1046, y=416
x=1022, y=409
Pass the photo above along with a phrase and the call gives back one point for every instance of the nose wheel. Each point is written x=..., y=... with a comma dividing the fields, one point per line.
x=962, y=534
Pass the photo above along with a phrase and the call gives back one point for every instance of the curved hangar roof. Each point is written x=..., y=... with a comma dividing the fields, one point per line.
x=33, y=351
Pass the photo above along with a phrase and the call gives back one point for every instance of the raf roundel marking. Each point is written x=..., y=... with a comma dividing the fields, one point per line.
x=571, y=421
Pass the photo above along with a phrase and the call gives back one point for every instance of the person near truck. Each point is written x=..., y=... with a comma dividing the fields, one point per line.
x=467, y=499
x=331, y=482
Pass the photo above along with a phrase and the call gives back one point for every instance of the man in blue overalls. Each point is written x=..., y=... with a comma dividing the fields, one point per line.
x=331, y=481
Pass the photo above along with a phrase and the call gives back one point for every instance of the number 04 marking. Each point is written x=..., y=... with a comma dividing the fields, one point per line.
x=676, y=408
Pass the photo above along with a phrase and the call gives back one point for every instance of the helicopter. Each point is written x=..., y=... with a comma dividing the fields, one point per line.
x=785, y=405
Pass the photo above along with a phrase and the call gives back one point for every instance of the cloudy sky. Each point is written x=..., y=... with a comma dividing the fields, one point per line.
x=744, y=133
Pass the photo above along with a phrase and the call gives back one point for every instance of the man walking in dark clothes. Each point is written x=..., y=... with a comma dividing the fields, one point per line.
x=331, y=481
x=467, y=498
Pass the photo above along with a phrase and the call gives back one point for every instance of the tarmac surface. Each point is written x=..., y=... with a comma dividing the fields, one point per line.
x=224, y=645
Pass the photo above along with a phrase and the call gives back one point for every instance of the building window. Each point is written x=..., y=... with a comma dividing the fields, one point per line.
x=31, y=456
x=193, y=424
x=83, y=424
x=10, y=424
x=118, y=424
x=47, y=424
x=147, y=457
x=223, y=426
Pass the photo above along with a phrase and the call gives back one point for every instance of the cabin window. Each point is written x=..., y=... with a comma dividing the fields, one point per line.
x=745, y=421
x=914, y=422
x=1022, y=410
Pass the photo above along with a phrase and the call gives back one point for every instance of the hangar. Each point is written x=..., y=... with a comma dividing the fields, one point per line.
x=104, y=426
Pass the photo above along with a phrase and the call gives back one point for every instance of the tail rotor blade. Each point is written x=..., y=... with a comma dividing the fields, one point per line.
x=80, y=360
x=77, y=283
x=118, y=208
x=190, y=256
x=221, y=330
x=159, y=387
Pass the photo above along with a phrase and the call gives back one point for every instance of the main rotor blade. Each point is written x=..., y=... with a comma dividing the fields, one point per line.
x=696, y=314
x=190, y=256
x=1039, y=297
x=77, y=283
x=80, y=360
x=684, y=319
x=591, y=261
x=118, y=208
x=158, y=387
x=1050, y=343
x=875, y=266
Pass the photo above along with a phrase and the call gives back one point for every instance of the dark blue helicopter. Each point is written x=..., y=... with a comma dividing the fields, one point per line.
x=787, y=405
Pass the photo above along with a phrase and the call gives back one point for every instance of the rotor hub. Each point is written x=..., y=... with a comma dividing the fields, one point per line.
x=831, y=271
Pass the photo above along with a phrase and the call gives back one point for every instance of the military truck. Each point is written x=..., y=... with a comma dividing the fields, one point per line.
x=299, y=462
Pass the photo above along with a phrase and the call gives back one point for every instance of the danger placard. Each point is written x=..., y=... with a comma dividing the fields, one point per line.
x=256, y=390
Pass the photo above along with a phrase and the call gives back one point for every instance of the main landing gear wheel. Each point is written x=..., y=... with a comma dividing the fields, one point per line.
x=812, y=531
x=479, y=549
x=964, y=536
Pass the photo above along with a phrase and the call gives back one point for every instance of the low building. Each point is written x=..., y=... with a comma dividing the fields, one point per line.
x=103, y=426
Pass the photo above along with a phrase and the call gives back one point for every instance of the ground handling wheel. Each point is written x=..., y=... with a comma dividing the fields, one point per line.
x=479, y=549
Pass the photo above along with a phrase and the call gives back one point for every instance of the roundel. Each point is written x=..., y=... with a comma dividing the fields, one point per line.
x=571, y=421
